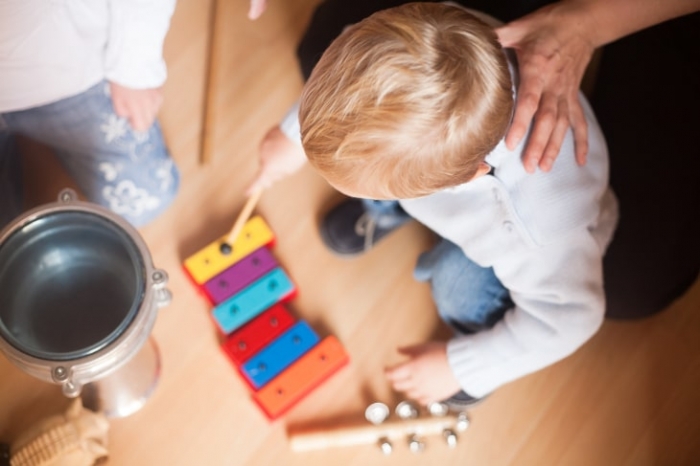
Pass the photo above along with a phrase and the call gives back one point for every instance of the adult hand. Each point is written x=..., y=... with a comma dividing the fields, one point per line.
x=553, y=49
x=279, y=157
x=257, y=8
x=139, y=106
x=426, y=376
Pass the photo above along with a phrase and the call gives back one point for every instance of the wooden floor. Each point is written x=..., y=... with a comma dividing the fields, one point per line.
x=631, y=396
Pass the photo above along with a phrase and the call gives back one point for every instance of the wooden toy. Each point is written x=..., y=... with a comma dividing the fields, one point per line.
x=270, y=289
x=239, y=275
x=256, y=334
x=279, y=354
x=302, y=377
x=382, y=431
x=219, y=255
x=280, y=359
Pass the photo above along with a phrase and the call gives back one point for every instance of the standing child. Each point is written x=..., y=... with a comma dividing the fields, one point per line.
x=84, y=78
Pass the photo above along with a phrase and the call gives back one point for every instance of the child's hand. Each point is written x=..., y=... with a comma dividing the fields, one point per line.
x=279, y=157
x=257, y=8
x=426, y=376
x=139, y=106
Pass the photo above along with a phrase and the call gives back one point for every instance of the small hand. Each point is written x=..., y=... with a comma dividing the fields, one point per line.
x=139, y=106
x=279, y=158
x=257, y=8
x=426, y=376
x=552, y=57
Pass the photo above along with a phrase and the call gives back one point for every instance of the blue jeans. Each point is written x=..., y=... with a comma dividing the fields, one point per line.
x=468, y=297
x=128, y=172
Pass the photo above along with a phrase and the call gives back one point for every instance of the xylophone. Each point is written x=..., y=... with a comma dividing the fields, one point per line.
x=281, y=358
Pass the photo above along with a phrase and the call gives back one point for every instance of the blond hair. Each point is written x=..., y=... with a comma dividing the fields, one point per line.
x=408, y=101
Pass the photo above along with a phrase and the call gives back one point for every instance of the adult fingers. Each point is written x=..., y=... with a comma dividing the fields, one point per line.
x=518, y=127
x=556, y=137
x=569, y=116
x=545, y=120
x=526, y=105
x=510, y=34
x=580, y=129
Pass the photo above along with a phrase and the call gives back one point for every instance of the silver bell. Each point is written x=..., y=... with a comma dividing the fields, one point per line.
x=386, y=446
x=415, y=444
x=450, y=437
x=462, y=422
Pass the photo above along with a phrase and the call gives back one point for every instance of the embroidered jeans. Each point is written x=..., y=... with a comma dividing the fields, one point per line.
x=128, y=172
x=468, y=297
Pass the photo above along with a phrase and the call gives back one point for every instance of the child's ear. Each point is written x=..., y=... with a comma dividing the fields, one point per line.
x=483, y=169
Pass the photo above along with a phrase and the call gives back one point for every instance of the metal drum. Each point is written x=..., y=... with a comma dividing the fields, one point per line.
x=79, y=297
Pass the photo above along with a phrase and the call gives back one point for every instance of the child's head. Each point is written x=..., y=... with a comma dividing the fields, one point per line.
x=407, y=102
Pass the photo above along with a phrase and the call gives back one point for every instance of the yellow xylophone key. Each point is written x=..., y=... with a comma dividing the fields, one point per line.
x=219, y=255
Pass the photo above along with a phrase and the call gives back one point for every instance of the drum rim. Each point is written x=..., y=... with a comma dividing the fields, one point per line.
x=117, y=352
x=136, y=304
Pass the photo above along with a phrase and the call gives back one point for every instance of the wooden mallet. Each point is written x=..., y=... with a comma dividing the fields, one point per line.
x=243, y=216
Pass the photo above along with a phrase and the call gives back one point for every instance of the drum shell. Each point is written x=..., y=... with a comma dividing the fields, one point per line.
x=73, y=369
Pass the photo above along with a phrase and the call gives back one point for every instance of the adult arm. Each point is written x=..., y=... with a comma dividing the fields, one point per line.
x=554, y=45
x=134, y=63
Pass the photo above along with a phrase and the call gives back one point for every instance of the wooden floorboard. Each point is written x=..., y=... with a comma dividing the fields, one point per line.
x=631, y=396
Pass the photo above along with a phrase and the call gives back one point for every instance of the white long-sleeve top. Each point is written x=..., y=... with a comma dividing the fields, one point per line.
x=52, y=49
x=544, y=234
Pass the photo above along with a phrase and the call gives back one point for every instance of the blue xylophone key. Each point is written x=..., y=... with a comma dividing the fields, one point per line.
x=279, y=354
x=270, y=289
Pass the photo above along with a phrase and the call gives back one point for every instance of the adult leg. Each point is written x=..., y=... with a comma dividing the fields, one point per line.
x=128, y=172
x=647, y=98
x=10, y=178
